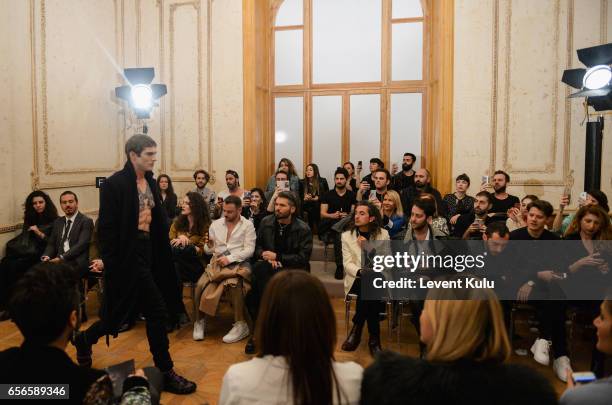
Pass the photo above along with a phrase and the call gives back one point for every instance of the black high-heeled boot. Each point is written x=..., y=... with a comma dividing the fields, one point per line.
x=353, y=339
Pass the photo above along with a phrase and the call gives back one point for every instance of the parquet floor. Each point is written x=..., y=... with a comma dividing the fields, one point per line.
x=206, y=362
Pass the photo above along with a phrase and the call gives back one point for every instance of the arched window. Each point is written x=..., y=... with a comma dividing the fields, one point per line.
x=350, y=81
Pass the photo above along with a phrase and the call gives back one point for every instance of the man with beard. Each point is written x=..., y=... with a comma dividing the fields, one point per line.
x=405, y=178
x=474, y=224
x=422, y=184
x=502, y=201
x=201, y=178
x=284, y=242
x=336, y=204
x=135, y=249
x=232, y=181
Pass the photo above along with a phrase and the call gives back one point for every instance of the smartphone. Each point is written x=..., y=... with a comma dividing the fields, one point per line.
x=582, y=198
x=583, y=377
x=247, y=194
x=478, y=221
x=220, y=200
x=359, y=165
x=372, y=196
x=485, y=180
x=283, y=185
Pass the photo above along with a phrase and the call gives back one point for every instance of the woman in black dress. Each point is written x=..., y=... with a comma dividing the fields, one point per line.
x=168, y=196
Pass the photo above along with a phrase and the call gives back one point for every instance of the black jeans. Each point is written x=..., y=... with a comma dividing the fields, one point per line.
x=367, y=310
x=150, y=303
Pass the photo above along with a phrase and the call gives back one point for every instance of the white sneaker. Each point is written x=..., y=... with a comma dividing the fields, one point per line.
x=198, y=329
x=540, y=350
x=239, y=331
x=561, y=365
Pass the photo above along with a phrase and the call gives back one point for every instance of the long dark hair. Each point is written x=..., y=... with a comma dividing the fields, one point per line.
x=292, y=171
x=316, y=180
x=263, y=204
x=31, y=217
x=375, y=226
x=200, y=214
x=170, y=190
x=297, y=321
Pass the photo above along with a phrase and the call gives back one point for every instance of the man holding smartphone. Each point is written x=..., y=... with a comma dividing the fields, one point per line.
x=472, y=225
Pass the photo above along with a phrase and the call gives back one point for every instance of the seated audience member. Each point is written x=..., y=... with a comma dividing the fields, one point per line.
x=312, y=187
x=232, y=181
x=296, y=338
x=69, y=240
x=375, y=164
x=44, y=308
x=201, y=178
x=517, y=218
x=336, y=205
x=354, y=176
x=422, y=217
x=283, y=242
x=284, y=165
x=381, y=178
x=255, y=207
x=169, y=199
x=593, y=197
x=473, y=224
x=231, y=241
x=25, y=250
x=538, y=285
x=598, y=392
x=438, y=222
x=404, y=178
x=501, y=201
x=458, y=203
x=365, y=226
x=281, y=182
x=393, y=219
x=466, y=361
x=422, y=184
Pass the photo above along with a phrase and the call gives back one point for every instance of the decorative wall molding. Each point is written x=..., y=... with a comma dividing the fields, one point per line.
x=550, y=165
x=40, y=118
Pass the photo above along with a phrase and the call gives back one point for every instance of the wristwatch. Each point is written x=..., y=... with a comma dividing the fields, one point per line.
x=530, y=283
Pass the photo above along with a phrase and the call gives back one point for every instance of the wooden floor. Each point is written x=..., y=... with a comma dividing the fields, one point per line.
x=206, y=361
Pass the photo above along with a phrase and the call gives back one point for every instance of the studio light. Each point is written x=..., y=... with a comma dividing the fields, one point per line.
x=597, y=77
x=140, y=94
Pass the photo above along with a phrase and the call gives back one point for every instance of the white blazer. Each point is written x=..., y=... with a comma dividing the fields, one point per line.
x=265, y=381
x=351, y=256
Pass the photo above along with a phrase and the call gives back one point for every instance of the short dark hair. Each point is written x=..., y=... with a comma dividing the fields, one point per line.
x=497, y=227
x=342, y=171
x=276, y=173
x=232, y=199
x=427, y=205
x=137, y=143
x=506, y=175
x=463, y=177
x=204, y=172
x=485, y=194
x=601, y=197
x=543, y=206
x=412, y=155
x=385, y=171
x=530, y=197
x=289, y=196
x=42, y=301
x=68, y=192
x=379, y=162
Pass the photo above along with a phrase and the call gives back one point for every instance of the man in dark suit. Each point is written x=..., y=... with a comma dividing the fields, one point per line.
x=69, y=239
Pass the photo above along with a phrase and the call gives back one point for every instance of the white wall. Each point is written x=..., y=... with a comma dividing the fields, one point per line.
x=510, y=107
x=60, y=124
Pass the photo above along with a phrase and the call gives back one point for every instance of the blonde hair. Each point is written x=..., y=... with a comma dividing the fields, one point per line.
x=395, y=197
x=466, y=324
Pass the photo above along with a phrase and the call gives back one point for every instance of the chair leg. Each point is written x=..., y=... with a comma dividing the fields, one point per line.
x=389, y=305
x=193, y=301
x=347, y=312
x=511, y=331
x=399, y=322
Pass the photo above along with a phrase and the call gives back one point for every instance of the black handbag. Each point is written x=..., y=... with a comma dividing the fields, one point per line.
x=22, y=245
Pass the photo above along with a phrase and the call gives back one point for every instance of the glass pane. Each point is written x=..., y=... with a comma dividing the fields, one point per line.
x=405, y=126
x=327, y=134
x=346, y=40
x=406, y=9
x=288, y=57
x=407, y=51
x=365, y=129
x=290, y=13
x=289, y=130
